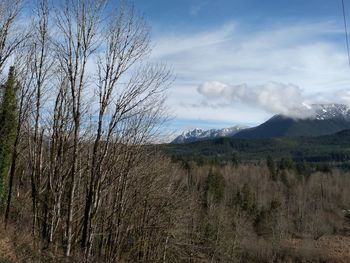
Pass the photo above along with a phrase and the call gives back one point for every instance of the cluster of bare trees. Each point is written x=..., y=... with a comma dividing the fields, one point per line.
x=246, y=213
x=88, y=102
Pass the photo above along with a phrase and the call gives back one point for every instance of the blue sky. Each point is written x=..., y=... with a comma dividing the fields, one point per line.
x=170, y=15
x=242, y=61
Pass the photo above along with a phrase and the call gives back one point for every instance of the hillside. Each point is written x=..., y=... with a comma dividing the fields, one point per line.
x=280, y=126
x=325, y=119
x=335, y=147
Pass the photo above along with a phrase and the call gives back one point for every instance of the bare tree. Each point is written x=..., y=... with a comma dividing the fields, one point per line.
x=78, y=23
x=91, y=102
x=125, y=42
x=11, y=37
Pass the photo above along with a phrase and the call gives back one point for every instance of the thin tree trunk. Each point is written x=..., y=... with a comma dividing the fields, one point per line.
x=11, y=179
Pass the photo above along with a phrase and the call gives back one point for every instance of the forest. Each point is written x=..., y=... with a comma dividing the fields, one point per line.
x=331, y=149
x=81, y=108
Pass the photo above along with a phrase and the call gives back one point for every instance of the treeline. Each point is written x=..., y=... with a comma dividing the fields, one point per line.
x=331, y=148
x=79, y=99
x=299, y=166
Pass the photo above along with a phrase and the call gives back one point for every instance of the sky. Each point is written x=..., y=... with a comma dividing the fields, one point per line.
x=242, y=61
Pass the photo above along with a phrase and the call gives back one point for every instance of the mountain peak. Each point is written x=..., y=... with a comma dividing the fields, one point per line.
x=198, y=134
x=320, y=119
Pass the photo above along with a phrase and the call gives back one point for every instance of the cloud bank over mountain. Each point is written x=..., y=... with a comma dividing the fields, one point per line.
x=273, y=97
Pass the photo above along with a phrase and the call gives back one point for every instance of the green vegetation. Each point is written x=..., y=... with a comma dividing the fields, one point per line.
x=215, y=186
x=272, y=167
x=329, y=148
x=8, y=121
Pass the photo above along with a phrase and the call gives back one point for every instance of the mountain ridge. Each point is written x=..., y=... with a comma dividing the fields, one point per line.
x=200, y=134
x=327, y=119
x=317, y=120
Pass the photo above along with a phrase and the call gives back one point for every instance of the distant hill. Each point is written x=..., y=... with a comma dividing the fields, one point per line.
x=328, y=148
x=200, y=134
x=327, y=119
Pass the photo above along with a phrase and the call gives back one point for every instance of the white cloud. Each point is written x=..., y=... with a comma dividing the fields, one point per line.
x=310, y=55
x=344, y=96
x=272, y=97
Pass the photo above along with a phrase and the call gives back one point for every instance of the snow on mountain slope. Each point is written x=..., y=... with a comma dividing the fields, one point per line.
x=200, y=134
x=331, y=111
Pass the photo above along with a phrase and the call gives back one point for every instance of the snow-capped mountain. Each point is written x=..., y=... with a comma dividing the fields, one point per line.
x=320, y=119
x=200, y=134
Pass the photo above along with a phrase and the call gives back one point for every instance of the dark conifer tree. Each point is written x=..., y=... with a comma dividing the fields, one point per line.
x=8, y=122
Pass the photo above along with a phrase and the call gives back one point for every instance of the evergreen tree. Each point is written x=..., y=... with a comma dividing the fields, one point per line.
x=235, y=159
x=286, y=163
x=215, y=186
x=8, y=121
x=272, y=167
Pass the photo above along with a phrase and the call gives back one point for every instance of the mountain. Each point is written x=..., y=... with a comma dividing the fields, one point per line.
x=318, y=120
x=200, y=135
x=322, y=119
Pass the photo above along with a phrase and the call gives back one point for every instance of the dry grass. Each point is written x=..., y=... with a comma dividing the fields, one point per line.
x=7, y=250
x=330, y=248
